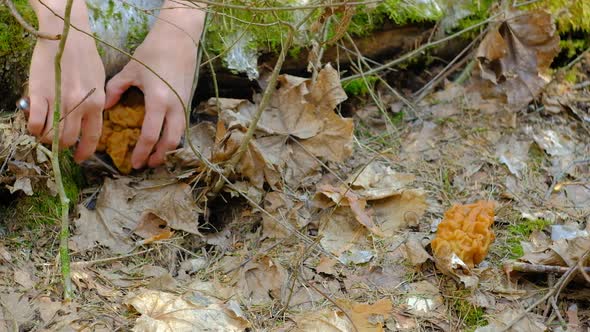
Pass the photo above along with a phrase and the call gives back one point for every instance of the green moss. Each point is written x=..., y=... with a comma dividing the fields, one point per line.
x=404, y=11
x=137, y=33
x=13, y=38
x=360, y=86
x=471, y=315
x=573, y=47
x=44, y=208
x=570, y=15
x=520, y=232
x=268, y=36
x=16, y=47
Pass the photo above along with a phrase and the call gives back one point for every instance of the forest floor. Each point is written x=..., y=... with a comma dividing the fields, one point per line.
x=358, y=255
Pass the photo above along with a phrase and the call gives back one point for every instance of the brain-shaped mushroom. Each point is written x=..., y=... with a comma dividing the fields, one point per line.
x=120, y=131
x=465, y=231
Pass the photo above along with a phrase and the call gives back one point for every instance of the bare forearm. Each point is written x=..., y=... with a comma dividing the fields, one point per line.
x=50, y=23
x=190, y=17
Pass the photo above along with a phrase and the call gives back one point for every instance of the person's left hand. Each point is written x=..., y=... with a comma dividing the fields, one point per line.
x=172, y=54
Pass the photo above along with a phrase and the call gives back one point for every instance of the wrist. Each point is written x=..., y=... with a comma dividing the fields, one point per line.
x=182, y=21
x=50, y=15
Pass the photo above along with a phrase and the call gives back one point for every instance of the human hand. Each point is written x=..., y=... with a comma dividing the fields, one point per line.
x=82, y=72
x=171, y=53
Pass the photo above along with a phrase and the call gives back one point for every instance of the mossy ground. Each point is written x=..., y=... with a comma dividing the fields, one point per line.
x=44, y=208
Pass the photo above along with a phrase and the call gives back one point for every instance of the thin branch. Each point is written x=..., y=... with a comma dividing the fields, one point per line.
x=539, y=268
x=284, y=8
x=264, y=102
x=64, y=234
x=420, y=50
x=554, y=291
x=17, y=16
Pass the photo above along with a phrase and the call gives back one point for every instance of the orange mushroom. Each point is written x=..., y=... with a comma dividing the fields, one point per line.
x=465, y=231
x=120, y=131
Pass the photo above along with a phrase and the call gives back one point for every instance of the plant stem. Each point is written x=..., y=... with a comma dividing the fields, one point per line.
x=64, y=234
x=264, y=102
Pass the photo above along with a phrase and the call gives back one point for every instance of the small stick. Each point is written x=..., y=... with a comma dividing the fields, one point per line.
x=537, y=268
x=17, y=16
x=555, y=290
x=264, y=102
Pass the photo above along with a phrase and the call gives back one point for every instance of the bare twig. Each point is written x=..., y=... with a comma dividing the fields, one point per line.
x=538, y=268
x=17, y=16
x=327, y=297
x=554, y=291
x=284, y=8
x=264, y=102
x=458, y=61
x=64, y=200
x=420, y=50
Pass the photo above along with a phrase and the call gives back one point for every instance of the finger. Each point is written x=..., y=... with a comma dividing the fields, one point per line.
x=37, y=115
x=150, y=131
x=70, y=132
x=91, y=130
x=173, y=128
x=47, y=136
x=117, y=86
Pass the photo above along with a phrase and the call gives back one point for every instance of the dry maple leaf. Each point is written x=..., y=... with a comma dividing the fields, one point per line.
x=261, y=280
x=121, y=207
x=514, y=54
x=297, y=131
x=368, y=317
x=282, y=207
x=191, y=311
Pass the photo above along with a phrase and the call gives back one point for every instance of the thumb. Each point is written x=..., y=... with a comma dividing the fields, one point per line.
x=116, y=87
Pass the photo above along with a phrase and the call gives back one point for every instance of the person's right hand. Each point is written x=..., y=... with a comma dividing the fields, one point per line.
x=82, y=71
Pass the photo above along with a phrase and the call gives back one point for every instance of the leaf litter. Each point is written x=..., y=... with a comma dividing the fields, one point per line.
x=148, y=262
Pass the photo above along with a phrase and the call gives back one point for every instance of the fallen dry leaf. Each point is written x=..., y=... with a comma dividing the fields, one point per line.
x=529, y=323
x=22, y=184
x=298, y=129
x=15, y=310
x=346, y=197
x=424, y=299
x=324, y=321
x=25, y=278
x=400, y=211
x=414, y=249
x=85, y=279
x=326, y=266
x=191, y=311
x=121, y=207
x=282, y=207
x=384, y=279
x=48, y=308
x=377, y=180
x=513, y=55
x=513, y=153
x=202, y=137
x=340, y=232
x=261, y=280
x=368, y=317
